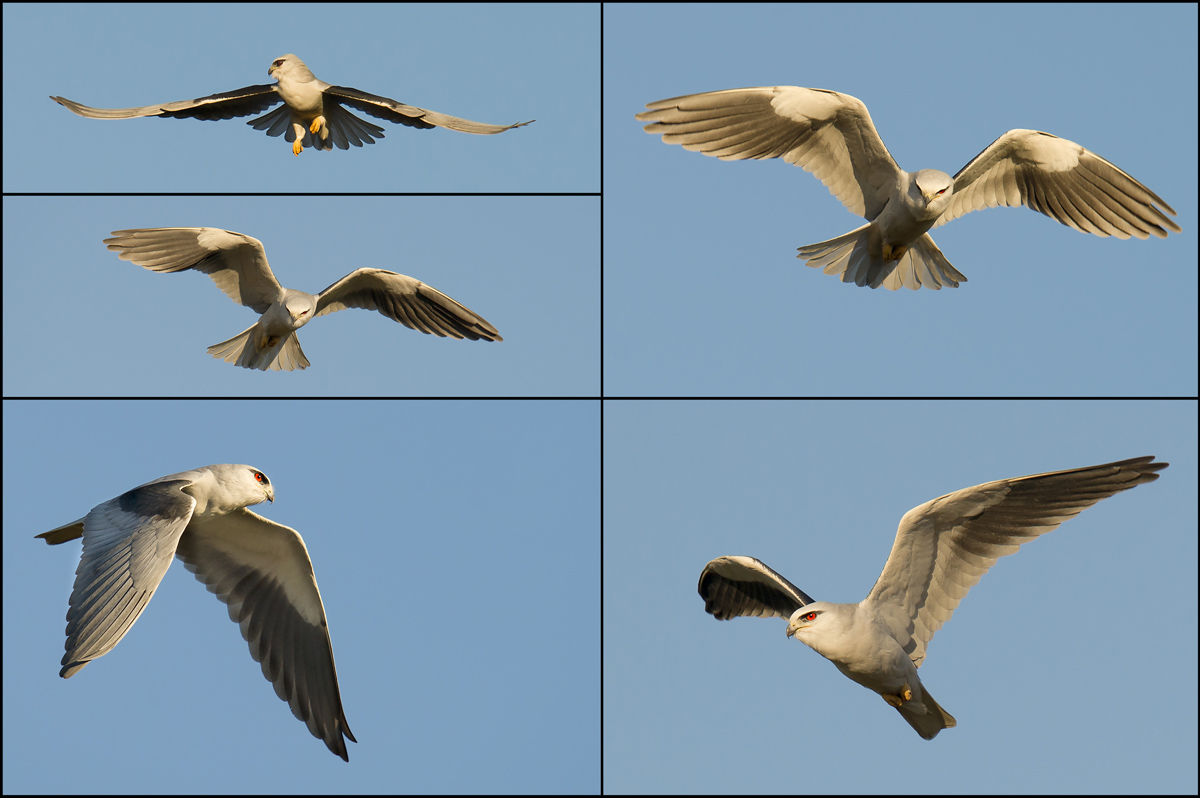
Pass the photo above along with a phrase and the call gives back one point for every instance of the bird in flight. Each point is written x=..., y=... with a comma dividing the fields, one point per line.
x=238, y=265
x=942, y=549
x=832, y=136
x=258, y=568
x=313, y=113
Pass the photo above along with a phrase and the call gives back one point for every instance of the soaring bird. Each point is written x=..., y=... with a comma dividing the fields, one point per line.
x=238, y=265
x=942, y=549
x=831, y=135
x=312, y=114
x=259, y=568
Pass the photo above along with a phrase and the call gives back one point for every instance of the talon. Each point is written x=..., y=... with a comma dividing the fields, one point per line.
x=297, y=147
x=890, y=254
x=898, y=701
x=316, y=124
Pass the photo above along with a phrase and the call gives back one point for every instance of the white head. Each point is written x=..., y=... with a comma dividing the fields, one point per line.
x=225, y=487
x=290, y=67
x=300, y=308
x=823, y=626
x=935, y=188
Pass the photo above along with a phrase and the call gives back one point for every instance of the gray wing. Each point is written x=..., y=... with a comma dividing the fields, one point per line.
x=410, y=115
x=262, y=571
x=236, y=263
x=824, y=132
x=945, y=546
x=128, y=543
x=408, y=301
x=227, y=105
x=1062, y=180
x=736, y=586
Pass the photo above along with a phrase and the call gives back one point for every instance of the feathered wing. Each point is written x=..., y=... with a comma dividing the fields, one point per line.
x=1062, y=180
x=128, y=544
x=409, y=115
x=262, y=572
x=743, y=586
x=827, y=133
x=408, y=301
x=945, y=546
x=226, y=105
x=236, y=263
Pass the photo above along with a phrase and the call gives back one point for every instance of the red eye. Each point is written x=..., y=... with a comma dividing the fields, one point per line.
x=258, y=475
x=811, y=616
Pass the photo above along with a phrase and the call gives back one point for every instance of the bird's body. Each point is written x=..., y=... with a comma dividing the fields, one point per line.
x=238, y=265
x=260, y=569
x=312, y=113
x=831, y=135
x=942, y=548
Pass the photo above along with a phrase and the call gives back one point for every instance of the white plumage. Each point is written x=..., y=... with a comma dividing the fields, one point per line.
x=942, y=549
x=831, y=135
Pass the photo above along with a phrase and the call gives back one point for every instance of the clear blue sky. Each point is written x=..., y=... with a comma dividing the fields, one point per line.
x=705, y=296
x=498, y=64
x=456, y=545
x=1070, y=667
x=529, y=265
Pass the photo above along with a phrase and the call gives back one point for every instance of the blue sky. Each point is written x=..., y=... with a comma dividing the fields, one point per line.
x=704, y=293
x=456, y=548
x=529, y=265
x=1069, y=667
x=491, y=63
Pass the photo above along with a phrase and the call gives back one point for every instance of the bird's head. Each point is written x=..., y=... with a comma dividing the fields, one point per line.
x=806, y=620
x=290, y=67
x=300, y=308
x=263, y=483
x=935, y=188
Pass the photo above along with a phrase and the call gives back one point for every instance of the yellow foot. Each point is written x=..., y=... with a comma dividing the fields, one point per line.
x=899, y=700
x=316, y=124
x=297, y=147
x=890, y=254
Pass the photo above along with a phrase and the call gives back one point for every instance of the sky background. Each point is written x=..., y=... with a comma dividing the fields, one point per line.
x=704, y=294
x=529, y=265
x=492, y=63
x=456, y=545
x=1070, y=667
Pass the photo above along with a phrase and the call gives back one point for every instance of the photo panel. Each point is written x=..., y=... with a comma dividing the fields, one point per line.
x=816, y=491
x=80, y=321
x=494, y=64
x=436, y=532
x=724, y=307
